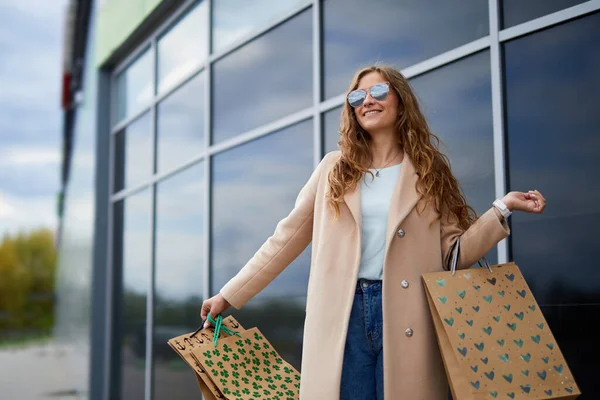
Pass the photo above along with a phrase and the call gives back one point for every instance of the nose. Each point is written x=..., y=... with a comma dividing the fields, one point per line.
x=369, y=99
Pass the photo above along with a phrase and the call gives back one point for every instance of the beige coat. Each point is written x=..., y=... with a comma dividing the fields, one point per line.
x=412, y=364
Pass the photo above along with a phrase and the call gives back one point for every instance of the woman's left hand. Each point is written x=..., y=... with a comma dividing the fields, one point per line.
x=532, y=201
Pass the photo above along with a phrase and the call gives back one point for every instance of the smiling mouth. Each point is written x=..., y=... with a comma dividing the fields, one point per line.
x=371, y=112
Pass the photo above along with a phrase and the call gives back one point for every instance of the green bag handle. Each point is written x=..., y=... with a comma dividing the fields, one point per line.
x=219, y=327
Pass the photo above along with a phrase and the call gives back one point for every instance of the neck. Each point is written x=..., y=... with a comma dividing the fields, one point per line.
x=385, y=150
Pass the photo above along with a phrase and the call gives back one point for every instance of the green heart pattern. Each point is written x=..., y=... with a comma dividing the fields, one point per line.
x=520, y=344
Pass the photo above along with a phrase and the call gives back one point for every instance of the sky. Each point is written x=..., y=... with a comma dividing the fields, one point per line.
x=31, y=48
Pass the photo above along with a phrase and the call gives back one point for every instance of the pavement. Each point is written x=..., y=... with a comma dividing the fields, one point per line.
x=45, y=371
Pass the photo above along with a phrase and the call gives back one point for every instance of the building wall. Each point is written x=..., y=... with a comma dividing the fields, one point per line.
x=117, y=20
x=203, y=133
x=75, y=272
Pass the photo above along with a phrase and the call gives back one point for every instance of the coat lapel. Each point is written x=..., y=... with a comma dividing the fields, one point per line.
x=352, y=200
x=404, y=197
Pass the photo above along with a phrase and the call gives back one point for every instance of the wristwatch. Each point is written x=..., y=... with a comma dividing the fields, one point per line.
x=500, y=206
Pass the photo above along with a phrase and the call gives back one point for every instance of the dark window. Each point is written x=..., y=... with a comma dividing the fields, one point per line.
x=358, y=33
x=515, y=12
x=552, y=86
x=178, y=277
x=267, y=79
x=457, y=102
x=132, y=255
x=134, y=156
x=180, y=124
x=255, y=186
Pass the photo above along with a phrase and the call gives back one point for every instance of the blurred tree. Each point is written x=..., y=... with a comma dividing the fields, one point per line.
x=27, y=278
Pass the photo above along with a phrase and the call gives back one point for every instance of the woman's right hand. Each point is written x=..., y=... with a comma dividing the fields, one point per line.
x=214, y=306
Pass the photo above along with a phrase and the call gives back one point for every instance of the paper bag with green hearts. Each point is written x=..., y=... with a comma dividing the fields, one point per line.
x=494, y=340
x=243, y=366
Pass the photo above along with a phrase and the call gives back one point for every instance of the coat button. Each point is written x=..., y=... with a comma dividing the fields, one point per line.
x=401, y=233
x=404, y=284
x=408, y=332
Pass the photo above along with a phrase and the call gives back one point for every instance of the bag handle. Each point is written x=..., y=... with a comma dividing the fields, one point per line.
x=219, y=327
x=455, y=252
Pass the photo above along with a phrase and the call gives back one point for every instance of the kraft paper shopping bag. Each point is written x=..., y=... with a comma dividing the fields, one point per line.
x=241, y=365
x=184, y=344
x=494, y=340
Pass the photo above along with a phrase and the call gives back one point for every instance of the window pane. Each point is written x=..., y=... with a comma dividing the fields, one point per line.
x=180, y=122
x=331, y=125
x=178, y=277
x=358, y=33
x=134, y=153
x=183, y=48
x=267, y=79
x=464, y=125
x=134, y=87
x=255, y=186
x=515, y=12
x=133, y=259
x=234, y=19
x=552, y=86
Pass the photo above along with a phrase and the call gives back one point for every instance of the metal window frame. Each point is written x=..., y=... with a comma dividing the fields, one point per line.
x=498, y=114
x=493, y=42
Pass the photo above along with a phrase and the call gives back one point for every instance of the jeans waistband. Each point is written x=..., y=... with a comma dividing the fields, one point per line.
x=363, y=284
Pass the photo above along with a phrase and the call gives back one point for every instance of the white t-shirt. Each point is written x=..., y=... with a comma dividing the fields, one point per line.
x=375, y=197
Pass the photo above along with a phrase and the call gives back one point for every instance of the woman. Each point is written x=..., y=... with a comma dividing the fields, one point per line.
x=380, y=213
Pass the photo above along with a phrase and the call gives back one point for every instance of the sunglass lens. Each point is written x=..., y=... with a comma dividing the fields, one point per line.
x=356, y=97
x=380, y=91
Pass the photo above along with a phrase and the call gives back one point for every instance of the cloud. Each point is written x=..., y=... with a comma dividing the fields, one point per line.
x=31, y=37
x=26, y=213
x=28, y=156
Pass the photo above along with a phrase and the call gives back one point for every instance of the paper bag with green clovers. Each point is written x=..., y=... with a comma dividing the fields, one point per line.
x=238, y=364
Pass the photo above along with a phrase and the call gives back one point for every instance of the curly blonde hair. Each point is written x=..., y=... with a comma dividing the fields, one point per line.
x=435, y=182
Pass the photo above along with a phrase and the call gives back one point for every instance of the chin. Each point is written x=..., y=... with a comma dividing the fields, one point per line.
x=374, y=127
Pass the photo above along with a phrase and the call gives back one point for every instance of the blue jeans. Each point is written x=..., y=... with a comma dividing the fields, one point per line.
x=362, y=370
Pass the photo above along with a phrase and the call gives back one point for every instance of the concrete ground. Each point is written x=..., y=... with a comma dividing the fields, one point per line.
x=42, y=372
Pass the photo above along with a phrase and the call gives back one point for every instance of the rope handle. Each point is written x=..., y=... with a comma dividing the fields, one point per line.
x=219, y=327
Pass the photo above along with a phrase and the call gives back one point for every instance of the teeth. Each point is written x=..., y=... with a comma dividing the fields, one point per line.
x=371, y=112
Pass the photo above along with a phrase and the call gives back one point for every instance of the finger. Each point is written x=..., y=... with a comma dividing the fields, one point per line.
x=542, y=196
x=538, y=194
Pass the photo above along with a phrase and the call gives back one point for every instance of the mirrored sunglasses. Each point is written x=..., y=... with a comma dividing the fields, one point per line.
x=379, y=92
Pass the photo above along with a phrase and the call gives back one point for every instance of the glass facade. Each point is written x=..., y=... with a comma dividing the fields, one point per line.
x=358, y=33
x=277, y=79
x=233, y=20
x=515, y=12
x=179, y=257
x=132, y=251
x=180, y=125
x=183, y=48
x=552, y=125
x=209, y=125
x=134, y=87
